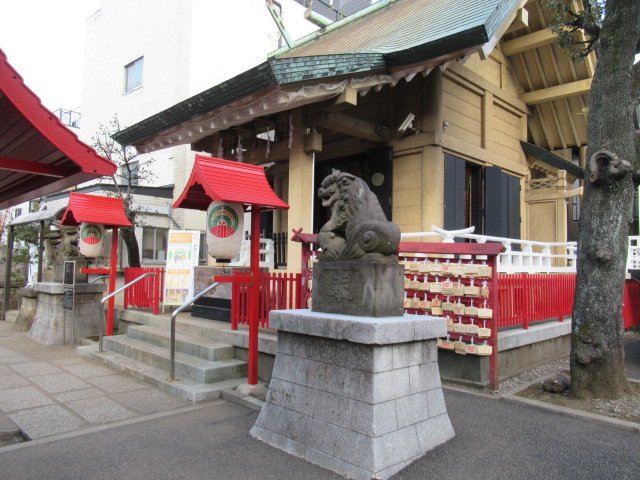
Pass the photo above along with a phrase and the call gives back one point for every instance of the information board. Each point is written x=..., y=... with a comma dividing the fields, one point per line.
x=182, y=256
x=67, y=298
x=69, y=274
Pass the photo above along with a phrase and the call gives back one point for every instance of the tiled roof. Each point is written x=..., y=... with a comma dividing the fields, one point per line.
x=266, y=75
x=388, y=34
x=394, y=27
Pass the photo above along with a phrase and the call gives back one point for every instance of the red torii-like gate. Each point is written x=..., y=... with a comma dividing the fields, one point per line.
x=108, y=212
x=214, y=179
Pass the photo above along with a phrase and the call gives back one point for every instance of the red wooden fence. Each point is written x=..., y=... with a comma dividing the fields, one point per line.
x=278, y=291
x=148, y=292
x=530, y=297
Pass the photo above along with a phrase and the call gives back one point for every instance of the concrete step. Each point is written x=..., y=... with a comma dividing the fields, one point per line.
x=187, y=344
x=202, y=328
x=182, y=387
x=197, y=369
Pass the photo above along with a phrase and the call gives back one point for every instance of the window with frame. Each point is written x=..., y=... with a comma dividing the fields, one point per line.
x=154, y=243
x=133, y=75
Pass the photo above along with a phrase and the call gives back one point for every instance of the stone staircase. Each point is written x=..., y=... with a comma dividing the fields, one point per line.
x=205, y=363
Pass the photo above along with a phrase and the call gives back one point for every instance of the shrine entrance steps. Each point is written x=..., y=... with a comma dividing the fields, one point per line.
x=209, y=355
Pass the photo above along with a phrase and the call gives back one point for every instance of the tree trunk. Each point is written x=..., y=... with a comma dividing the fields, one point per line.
x=597, y=346
x=130, y=240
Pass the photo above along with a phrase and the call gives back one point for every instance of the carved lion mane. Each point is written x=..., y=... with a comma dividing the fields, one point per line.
x=358, y=228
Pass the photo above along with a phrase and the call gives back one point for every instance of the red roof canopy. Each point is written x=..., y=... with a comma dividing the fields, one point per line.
x=222, y=180
x=94, y=209
x=38, y=154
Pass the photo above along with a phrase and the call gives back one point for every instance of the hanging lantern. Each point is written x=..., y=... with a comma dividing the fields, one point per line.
x=91, y=239
x=225, y=223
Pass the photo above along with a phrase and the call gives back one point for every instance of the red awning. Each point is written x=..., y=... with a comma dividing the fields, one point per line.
x=38, y=154
x=222, y=180
x=94, y=209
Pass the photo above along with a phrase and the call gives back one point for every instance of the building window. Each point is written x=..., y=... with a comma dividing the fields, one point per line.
x=133, y=75
x=575, y=209
x=154, y=243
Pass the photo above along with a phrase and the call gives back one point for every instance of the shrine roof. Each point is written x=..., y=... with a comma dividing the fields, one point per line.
x=38, y=154
x=215, y=179
x=107, y=211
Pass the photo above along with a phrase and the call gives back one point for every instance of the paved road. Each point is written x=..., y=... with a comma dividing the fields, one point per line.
x=495, y=440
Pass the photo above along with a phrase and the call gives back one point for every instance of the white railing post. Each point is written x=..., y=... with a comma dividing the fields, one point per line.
x=527, y=259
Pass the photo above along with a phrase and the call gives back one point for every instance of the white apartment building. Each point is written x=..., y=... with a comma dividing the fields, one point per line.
x=143, y=56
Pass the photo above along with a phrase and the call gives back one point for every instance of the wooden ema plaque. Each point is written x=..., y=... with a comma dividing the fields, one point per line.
x=457, y=281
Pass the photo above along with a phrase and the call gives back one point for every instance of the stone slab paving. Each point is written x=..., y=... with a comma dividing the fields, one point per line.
x=49, y=390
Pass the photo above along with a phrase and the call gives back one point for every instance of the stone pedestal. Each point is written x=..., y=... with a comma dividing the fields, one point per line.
x=359, y=396
x=28, y=305
x=54, y=325
x=358, y=288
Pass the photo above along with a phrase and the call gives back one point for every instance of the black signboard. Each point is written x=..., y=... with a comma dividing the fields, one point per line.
x=67, y=299
x=69, y=274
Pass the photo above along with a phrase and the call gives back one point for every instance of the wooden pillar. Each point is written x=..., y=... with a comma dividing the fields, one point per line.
x=7, y=273
x=40, y=252
x=278, y=226
x=112, y=280
x=432, y=188
x=301, y=191
x=561, y=211
x=432, y=155
x=432, y=102
x=487, y=120
x=254, y=297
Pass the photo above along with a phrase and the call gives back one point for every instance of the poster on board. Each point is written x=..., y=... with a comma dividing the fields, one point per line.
x=182, y=256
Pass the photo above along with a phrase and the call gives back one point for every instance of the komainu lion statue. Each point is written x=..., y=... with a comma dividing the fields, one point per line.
x=358, y=229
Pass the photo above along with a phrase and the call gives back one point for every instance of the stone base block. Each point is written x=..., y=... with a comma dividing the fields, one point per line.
x=366, y=408
x=54, y=325
x=358, y=288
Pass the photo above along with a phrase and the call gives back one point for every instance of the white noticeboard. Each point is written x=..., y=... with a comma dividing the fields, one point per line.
x=182, y=256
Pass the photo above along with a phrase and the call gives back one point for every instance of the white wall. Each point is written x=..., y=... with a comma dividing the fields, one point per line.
x=188, y=46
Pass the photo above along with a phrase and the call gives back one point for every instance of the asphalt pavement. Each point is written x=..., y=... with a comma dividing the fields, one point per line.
x=494, y=440
x=161, y=438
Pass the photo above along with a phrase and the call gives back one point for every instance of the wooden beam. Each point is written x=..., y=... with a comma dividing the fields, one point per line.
x=26, y=166
x=356, y=127
x=521, y=21
x=342, y=148
x=487, y=121
x=278, y=151
x=490, y=45
x=558, y=92
x=528, y=42
x=348, y=98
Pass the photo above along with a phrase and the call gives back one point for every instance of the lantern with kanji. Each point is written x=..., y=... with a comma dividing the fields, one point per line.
x=225, y=221
x=91, y=239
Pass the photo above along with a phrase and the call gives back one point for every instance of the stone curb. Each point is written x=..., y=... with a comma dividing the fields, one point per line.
x=571, y=412
x=8, y=427
x=244, y=400
x=109, y=426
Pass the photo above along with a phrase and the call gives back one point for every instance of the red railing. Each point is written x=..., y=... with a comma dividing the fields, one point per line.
x=147, y=293
x=526, y=298
x=278, y=291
